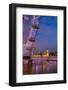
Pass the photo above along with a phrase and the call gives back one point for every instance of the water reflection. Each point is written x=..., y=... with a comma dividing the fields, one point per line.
x=39, y=66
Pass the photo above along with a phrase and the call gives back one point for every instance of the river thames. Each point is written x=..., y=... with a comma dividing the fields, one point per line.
x=40, y=66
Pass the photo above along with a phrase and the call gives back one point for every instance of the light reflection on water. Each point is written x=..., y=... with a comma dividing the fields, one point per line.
x=39, y=67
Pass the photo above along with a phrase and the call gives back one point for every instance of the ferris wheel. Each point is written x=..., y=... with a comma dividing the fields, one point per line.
x=30, y=44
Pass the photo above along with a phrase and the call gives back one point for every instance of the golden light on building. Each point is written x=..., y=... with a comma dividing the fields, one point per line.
x=46, y=54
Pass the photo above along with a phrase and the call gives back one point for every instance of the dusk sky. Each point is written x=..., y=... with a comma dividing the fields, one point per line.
x=46, y=37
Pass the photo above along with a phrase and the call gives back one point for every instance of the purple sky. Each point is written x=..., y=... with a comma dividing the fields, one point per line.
x=46, y=37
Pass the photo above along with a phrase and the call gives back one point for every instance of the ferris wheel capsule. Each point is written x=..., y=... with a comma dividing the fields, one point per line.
x=35, y=22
